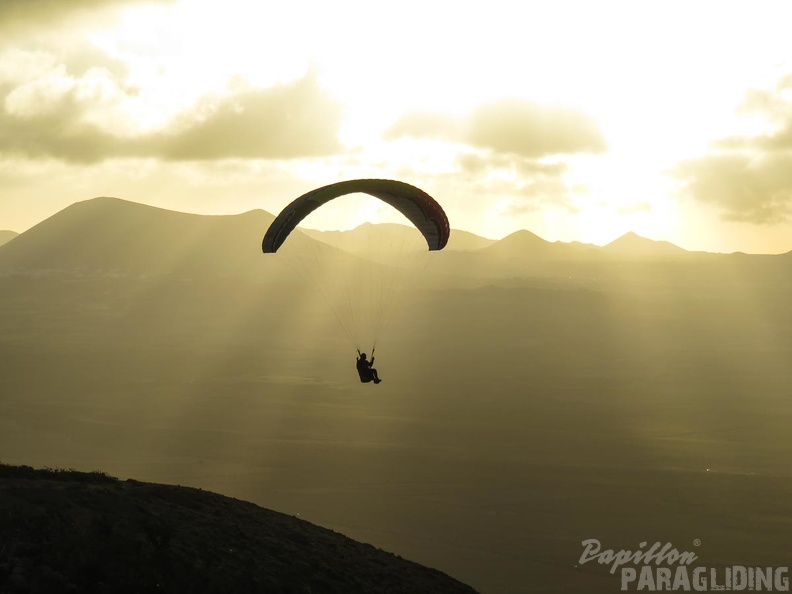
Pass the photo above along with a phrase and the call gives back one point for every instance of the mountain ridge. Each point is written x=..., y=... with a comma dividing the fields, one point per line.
x=632, y=244
x=109, y=235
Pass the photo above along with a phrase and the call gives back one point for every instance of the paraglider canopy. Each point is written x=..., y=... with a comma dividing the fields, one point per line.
x=364, y=280
x=415, y=204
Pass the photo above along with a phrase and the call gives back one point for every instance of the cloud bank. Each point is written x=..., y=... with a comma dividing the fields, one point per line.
x=28, y=14
x=749, y=178
x=516, y=145
x=58, y=119
x=509, y=126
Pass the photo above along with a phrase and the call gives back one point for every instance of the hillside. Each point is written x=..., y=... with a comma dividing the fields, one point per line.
x=520, y=244
x=382, y=237
x=353, y=239
x=369, y=239
x=6, y=236
x=632, y=244
x=87, y=532
x=526, y=245
x=115, y=236
x=465, y=241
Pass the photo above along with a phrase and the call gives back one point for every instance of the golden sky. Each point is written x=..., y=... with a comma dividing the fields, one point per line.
x=576, y=120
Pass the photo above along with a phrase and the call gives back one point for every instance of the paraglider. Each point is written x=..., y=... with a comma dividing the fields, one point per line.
x=365, y=370
x=355, y=285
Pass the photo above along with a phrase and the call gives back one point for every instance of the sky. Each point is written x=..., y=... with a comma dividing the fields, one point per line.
x=576, y=120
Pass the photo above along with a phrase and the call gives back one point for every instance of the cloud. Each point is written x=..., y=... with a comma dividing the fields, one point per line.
x=539, y=193
x=49, y=126
x=752, y=189
x=532, y=130
x=282, y=122
x=428, y=124
x=534, y=184
x=58, y=120
x=635, y=208
x=509, y=126
x=476, y=163
x=749, y=178
x=771, y=105
x=513, y=149
x=27, y=14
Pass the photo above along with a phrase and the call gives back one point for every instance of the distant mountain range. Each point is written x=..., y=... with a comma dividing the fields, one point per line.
x=109, y=235
x=520, y=244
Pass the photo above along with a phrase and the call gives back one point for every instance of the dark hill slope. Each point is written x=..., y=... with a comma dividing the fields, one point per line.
x=65, y=531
